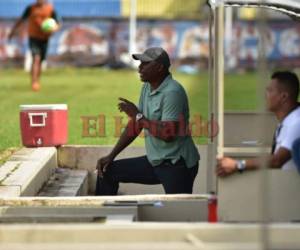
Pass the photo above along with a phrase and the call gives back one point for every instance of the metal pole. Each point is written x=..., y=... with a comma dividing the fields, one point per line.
x=132, y=27
x=228, y=39
x=219, y=74
x=212, y=146
x=264, y=176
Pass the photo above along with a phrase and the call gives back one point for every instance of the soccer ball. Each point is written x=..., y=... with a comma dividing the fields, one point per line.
x=48, y=25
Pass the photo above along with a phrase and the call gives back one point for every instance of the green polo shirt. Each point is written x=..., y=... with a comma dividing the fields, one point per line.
x=168, y=102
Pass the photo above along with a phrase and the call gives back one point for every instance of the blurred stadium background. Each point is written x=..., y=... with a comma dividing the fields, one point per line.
x=97, y=32
x=96, y=35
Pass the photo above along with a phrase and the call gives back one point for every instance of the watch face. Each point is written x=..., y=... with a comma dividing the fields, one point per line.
x=139, y=116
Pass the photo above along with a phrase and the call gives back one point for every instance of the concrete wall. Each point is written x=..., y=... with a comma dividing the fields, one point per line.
x=240, y=196
x=242, y=127
x=85, y=157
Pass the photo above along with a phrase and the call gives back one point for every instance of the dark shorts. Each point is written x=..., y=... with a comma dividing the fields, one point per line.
x=38, y=47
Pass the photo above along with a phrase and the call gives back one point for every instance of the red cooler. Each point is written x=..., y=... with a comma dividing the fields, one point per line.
x=44, y=125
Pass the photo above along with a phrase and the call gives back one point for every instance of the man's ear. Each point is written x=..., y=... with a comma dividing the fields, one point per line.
x=160, y=68
x=285, y=96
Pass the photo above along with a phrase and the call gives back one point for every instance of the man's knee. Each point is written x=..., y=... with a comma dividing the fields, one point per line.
x=36, y=58
x=105, y=186
x=108, y=172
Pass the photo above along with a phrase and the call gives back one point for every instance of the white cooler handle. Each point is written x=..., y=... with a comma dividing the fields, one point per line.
x=31, y=115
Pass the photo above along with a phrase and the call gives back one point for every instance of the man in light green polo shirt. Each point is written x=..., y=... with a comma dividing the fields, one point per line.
x=163, y=113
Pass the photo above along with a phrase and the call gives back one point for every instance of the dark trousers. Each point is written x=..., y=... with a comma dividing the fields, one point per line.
x=175, y=178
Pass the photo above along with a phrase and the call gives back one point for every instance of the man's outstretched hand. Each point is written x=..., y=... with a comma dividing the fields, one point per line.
x=128, y=107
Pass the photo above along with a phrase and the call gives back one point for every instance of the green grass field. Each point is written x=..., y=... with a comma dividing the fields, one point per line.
x=90, y=92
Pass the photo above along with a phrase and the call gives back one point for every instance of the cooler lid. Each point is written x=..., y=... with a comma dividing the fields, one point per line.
x=44, y=107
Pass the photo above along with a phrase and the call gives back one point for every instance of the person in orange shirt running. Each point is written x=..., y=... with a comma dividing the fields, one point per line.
x=35, y=14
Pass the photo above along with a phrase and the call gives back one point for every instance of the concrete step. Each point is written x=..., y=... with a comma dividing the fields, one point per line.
x=66, y=182
x=97, y=214
x=26, y=171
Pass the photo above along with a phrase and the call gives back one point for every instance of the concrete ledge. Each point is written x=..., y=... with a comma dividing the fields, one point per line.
x=27, y=170
x=96, y=214
x=195, y=210
x=281, y=236
x=96, y=200
x=173, y=208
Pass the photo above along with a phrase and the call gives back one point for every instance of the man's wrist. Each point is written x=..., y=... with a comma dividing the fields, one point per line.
x=112, y=155
x=138, y=116
x=241, y=165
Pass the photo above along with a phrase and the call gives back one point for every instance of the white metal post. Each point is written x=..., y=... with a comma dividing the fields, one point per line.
x=219, y=74
x=212, y=146
x=230, y=59
x=132, y=28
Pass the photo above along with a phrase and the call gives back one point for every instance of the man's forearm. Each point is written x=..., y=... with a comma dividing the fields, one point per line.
x=252, y=164
x=165, y=131
x=269, y=161
x=16, y=26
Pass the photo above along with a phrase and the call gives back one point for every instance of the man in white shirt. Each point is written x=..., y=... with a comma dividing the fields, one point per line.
x=282, y=100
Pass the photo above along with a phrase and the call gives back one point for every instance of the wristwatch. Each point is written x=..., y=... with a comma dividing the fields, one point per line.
x=241, y=165
x=138, y=117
